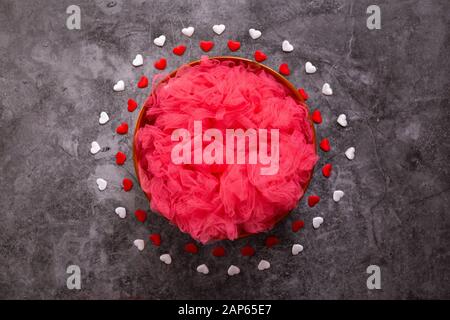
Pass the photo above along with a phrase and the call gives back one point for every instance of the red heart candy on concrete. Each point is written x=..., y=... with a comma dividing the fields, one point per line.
x=326, y=170
x=140, y=215
x=247, y=251
x=191, y=248
x=297, y=225
x=313, y=200
x=271, y=241
x=120, y=158
x=155, y=239
x=206, y=45
x=127, y=184
x=303, y=93
x=284, y=69
x=218, y=252
x=161, y=64
x=234, y=45
x=260, y=56
x=325, y=145
x=123, y=128
x=316, y=116
x=143, y=82
x=132, y=105
x=179, y=51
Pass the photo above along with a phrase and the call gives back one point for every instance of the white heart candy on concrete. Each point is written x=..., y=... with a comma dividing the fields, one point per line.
x=166, y=258
x=104, y=118
x=317, y=221
x=160, y=40
x=138, y=60
x=121, y=212
x=263, y=265
x=254, y=34
x=337, y=195
x=139, y=243
x=101, y=183
x=286, y=46
x=95, y=147
x=310, y=68
x=203, y=269
x=233, y=270
x=342, y=120
x=350, y=153
x=218, y=28
x=296, y=249
x=326, y=89
x=119, y=86
x=189, y=31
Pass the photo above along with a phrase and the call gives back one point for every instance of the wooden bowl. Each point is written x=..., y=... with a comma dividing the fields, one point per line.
x=280, y=78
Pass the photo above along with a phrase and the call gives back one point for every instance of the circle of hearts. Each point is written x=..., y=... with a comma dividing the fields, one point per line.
x=127, y=184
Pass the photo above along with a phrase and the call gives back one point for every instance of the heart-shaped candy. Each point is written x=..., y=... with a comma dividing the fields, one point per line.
x=313, y=200
x=206, y=45
x=127, y=184
x=155, y=238
x=234, y=45
x=316, y=116
x=284, y=69
x=317, y=221
x=326, y=170
x=326, y=89
x=271, y=241
x=218, y=28
x=160, y=40
x=218, y=252
x=139, y=243
x=254, y=34
x=325, y=145
x=342, y=120
x=260, y=56
x=310, y=68
x=263, y=265
x=189, y=31
x=104, y=118
x=138, y=60
x=143, y=82
x=123, y=128
x=101, y=184
x=247, y=251
x=161, y=64
x=303, y=94
x=132, y=105
x=233, y=270
x=166, y=258
x=179, y=51
x=120, y=158
x=95, y=147
x=286, y=46
x=140, y=215
x=297, y=225
x=121, y=212
x=337, y=195
x=203, y=269
x=350, y=153
x=191, y=248
x=119, y=86
x=296, y=249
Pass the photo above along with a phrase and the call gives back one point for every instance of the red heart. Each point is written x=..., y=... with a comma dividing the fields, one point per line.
x=206, y=45
x=234, y=45
x=123, y=128
x=120, y=158
x=316, y=116
x=303, y=93
x=191, y=248
x=179, y=51
x=143, y=82
x=132, y=105
x=218, y=252
x=271, y=241
x=284, y=69
x=247, y=251
x=155, y=239
x=297, y=225
x=325, y=145
x=161, y=64
x=326, y=170
x=140, y=215
x=313, y=200
x=127, y=184
x=260, y=56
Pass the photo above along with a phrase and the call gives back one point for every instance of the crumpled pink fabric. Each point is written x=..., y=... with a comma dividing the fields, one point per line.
x=223, y=201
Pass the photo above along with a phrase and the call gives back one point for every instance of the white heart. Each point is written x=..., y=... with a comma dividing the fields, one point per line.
x=189, y=31
x=95, y=147
x=286, y=46
x=310, y=68
x=203, y=269
x=232, y=270
x=119, y=86
x=326, y=89
x=138, y=60
x=166, y=258
x=139, y=243
x=296, y=249
x=104, y=118
x=317, y=221
x=337, y=195
x=342, y=120
x=219, y=28
x=101, y=183
x=263, y=265
x=255, y=34
x=160, y=40
x=121, y=212
x=350, y=153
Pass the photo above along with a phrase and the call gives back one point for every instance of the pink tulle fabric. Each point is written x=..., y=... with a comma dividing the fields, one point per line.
x=223, y=201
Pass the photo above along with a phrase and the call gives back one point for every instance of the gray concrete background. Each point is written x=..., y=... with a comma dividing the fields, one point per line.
x=392, y=83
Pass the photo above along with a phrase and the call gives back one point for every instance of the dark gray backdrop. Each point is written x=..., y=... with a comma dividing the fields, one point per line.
x=392, y=83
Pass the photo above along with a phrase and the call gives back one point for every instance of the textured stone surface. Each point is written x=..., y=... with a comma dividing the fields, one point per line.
x=392, y=83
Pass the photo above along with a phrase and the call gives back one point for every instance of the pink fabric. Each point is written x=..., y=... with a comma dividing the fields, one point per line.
x=223, y=201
